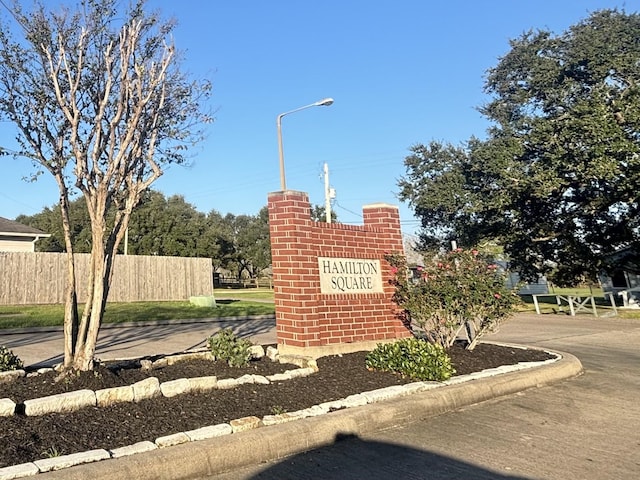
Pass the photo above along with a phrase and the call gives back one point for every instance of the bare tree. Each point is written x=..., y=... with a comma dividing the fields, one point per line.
x=100, y=103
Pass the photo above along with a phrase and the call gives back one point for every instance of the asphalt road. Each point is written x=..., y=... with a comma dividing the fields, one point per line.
x=583, y=428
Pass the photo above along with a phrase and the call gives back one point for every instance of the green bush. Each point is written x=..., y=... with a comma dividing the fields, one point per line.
x=9, y=361
x=225, y=345
x=412, y=358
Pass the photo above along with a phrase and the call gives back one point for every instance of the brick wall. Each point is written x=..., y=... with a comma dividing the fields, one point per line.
x=308, y=321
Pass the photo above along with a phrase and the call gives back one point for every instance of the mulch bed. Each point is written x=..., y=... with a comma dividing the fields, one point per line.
x=24, y=439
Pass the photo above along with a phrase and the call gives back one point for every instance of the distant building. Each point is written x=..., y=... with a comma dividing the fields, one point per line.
x=16, y=237
x=513, y=281
x=623, y=278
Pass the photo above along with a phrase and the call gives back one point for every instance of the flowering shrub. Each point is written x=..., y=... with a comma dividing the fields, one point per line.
x=457, y=291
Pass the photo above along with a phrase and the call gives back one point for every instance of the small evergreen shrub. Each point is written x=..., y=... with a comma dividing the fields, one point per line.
x=225, y=345
x=412, y=358
x=9, y=361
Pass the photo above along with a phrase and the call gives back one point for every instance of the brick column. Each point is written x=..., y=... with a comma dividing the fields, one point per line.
x=386, y=219
x=294, y=268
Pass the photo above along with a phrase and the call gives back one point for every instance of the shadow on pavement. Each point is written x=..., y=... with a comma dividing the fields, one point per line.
x=25, y=340
x=351, y=457
x=46, y=347
x=135, y=336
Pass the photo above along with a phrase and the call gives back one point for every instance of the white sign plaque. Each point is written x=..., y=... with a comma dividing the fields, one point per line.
x=349, y=275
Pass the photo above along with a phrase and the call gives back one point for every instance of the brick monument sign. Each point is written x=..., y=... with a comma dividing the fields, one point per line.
x=331, y=281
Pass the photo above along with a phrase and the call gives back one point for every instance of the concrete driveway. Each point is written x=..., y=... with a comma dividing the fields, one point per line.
x=583, y=428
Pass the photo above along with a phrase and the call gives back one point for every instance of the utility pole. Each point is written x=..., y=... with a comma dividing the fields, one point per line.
x=329, y=193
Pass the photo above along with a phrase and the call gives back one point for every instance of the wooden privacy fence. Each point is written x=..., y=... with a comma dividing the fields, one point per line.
x=39, y=278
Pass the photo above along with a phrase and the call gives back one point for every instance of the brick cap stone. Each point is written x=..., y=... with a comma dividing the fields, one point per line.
x=286, y=192
x=113, y=395
x=379, y=205
x=209, y=432
x=245, y=423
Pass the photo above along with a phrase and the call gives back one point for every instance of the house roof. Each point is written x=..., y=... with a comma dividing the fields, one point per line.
x=626, y=258
x=9, y=227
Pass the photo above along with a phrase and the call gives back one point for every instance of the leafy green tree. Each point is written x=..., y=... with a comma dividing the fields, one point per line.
x=252, y=245
x=220, y=240
x=556, y=180
x=147, y=225
x=50, y=221
x=319, y=214
x=167, y=226
x=255, y=245
x=100, y=102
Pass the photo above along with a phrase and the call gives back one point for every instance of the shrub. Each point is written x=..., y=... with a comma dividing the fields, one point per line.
x=412, y=358
x=225, y=345
x=455, y=292
x=9, y=361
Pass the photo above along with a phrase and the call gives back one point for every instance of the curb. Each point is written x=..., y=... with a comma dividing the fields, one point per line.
x=222, y=454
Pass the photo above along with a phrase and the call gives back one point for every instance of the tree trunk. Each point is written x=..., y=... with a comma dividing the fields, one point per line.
x=92, y=314
x=102, y=258
x=70, y=313
x=79, y=360
x=472, y=344
x=71, y=299
x=84, y=358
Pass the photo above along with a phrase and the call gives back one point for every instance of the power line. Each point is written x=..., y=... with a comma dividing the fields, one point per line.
x=347, y=210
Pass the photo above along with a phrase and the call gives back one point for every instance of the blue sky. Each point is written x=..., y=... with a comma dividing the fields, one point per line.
x=401, y=72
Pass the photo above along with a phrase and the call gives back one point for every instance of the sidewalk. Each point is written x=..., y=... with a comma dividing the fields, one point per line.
x=45, y=346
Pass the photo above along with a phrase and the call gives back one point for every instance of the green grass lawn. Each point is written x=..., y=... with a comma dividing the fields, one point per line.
x=17, y=316
x=244, y=293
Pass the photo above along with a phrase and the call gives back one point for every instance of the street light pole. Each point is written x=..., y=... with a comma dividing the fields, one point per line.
x=320, y=103
x=327, y=194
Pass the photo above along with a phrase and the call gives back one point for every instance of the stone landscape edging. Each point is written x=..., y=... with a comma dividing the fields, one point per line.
x=218, y=451
x=150, y=387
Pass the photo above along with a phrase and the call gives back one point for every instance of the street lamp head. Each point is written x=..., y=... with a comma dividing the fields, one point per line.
x=325, y=102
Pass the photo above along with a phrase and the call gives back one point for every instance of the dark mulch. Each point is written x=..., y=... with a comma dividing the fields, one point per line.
x=24, y=439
